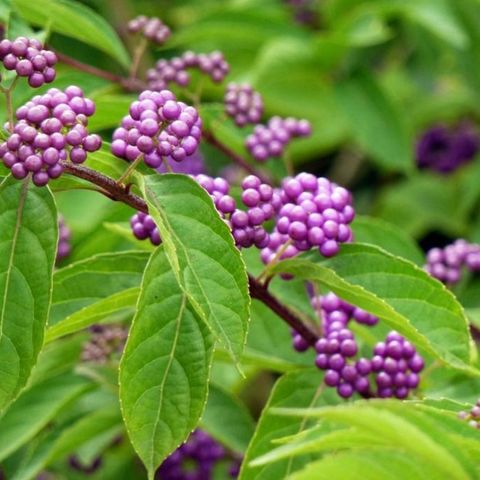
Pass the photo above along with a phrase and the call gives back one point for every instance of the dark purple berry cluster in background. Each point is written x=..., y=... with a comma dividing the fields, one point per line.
x=243, y=104
x=76, y=464
x=152, y=28
x=196, y=459
x=473, y=416
x=64, y=236
x=315, y=213
x=446, y=264
x=51, y=128
x=445, y=149
x=192, y=165
x=395, y=364
x=29, y=59
x=268, y=141
x=143, y=227
x=175, y=69
x=106, y=343
x=158, y=126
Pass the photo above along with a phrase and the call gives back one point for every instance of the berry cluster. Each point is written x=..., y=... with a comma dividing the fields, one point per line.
x=262, y=203
x=157, y=126
x=192, y=165
x=175, y=69
x=270, y=140
x=445, y=264
x=28, y=58
x=315, y=213
x=243, y=104
x=152, y=28
x=396, y=364
x=106, y=342
x=64, y=234
x=473, y=417
x=194, y=460
x=50, y=129
x=143, y=227
x=336, y=349
x=444, y=150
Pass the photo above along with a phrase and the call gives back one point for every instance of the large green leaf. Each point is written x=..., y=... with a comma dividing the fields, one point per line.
x=401, y=294
x=165, y=366
x=35, y=408
x=376, y=123
x=28, y=225
x=420, y=435
x=387, y=236
x=200, y=248
x=74, y=20
x=94, y=284
x=227, y=419
x=296, y=388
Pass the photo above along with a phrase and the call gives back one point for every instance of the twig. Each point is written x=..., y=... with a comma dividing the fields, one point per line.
x=238, y=159
x=130, y=84
x=260, y=292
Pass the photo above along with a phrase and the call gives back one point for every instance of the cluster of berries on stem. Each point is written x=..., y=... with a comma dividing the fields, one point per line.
x=152, y=28
x=395, y=364
x=106, y=343
x=446, y=264
x=143, y=226
x=175, y=70
x=158, y=126
x=51, y=128
x=270, y=141
x=473, y=416
x=243, y=104
x=28, y=58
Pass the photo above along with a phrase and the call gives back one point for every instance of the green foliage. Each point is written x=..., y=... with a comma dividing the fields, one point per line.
x=165, y=367
x=27, y=252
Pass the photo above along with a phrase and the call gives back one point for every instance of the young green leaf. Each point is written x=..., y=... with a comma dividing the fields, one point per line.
x=97, y=280
x=74, y=20
x=200, y=248
x=302, y=387
x=401, y=294
x=28, y=222
x=36, y=407
x=165, y=366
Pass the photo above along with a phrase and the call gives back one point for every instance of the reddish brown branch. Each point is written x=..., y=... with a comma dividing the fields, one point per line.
x=260, y=292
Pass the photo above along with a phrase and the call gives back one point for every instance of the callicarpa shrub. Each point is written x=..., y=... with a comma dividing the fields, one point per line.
x=257, y=271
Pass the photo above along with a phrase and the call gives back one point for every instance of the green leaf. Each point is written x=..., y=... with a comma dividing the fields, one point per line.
x=98, y=311
x=200, y=248
x=293, y=389
x=110, y=110
x=376, y=123
x=77, y=21
x=28, y=222
x=387, y=236
x=228, y=420
x=401, y=294
x=399, y=427
x=35, y=408
x=165, y=366
x=96, y=283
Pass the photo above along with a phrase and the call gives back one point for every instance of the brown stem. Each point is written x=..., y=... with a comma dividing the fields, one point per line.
x=109, y=186
x=130, y=84
x=260, y=292
x=137, y=56
x=238, y=159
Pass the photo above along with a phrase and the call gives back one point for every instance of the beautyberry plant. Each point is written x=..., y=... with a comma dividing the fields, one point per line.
x=257, y=271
